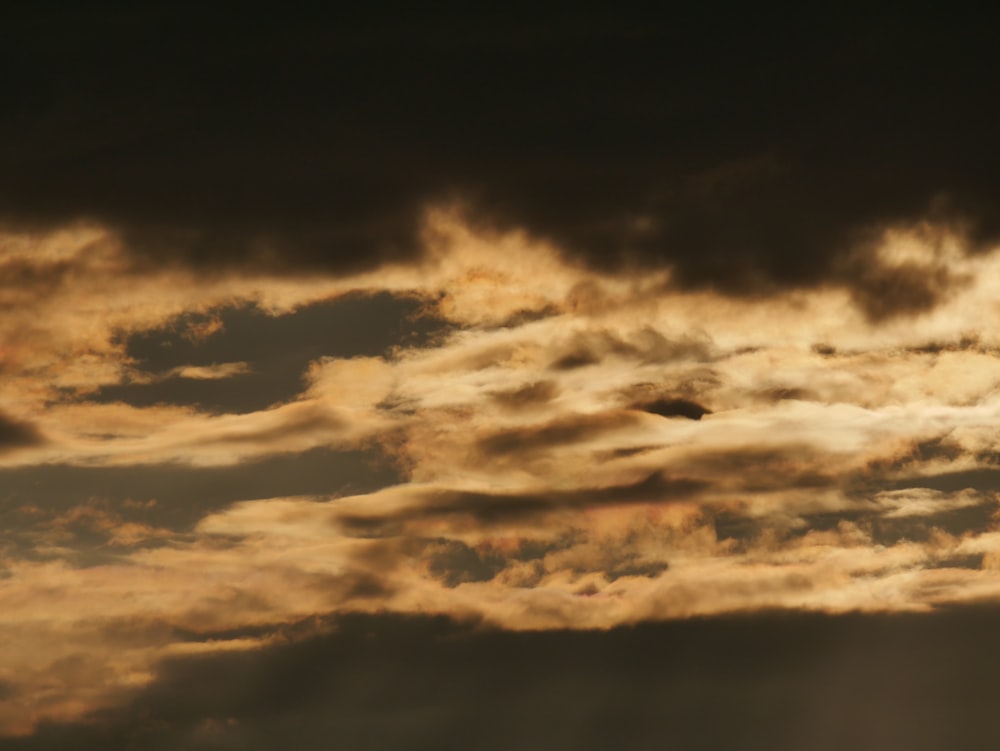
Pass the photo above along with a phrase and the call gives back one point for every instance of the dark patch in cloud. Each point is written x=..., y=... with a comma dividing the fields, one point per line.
x=675, y=408
x=959, y=521
x=747, y=161
x=184, y=494
x=744, y=529
x=942, y=447
x=694, y=385
x=32, y=279
x=973, y=561
x=965, y=343
x=761, y=469
x=646, y=346
x=277, y=349
x=883, y=292
x=534, y=550
x=315, y=418
x=453, y=562
x=575, y=360
x=560, y=432
x=82, y=536
x=360, y=585
x=783, y=393
x=985, y=479
x=497, y=508
x=731, y=525
x=16, y=434
x=648, y=569
x=624, y=453
x=777, y=681
x=524, y=397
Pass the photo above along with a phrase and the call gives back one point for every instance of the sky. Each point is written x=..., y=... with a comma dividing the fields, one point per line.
x=538, y=378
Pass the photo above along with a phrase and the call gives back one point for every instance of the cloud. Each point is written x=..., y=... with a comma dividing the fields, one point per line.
x=496, y=508
x=15, y=434
x=172, y=367
x=527, y=396
x=567, y=430
x=413, y=439
x=789, y=681
x=646, y=345
x=676, y=408
x=272, y=154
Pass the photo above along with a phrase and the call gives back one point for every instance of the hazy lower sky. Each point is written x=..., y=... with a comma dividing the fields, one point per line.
x=528, y=379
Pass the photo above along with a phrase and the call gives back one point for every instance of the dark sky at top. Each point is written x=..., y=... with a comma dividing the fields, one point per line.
x=747, y=149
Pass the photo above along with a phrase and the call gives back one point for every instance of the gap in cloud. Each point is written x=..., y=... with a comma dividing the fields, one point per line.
x=174, y=497
x=184, y=362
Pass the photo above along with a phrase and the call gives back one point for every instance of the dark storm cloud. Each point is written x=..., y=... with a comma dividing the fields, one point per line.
x=277, y=350
x=16, y=434
x=776, y=681
x=747, y=152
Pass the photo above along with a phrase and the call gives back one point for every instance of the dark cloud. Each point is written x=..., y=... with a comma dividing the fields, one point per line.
x=675, y=408
x=781, y=393
x=747, y=151
x=915, y=454
x=974, y=519
x=560, y=432
x=645, y=345
x=277, y=350
x=761, y=469
x=454, y=563
x=527, y=396
x=497, y=508
x=984, y=479
x=973, y=561
x=874, y=520
x=776, y=681
x=15, y=434
x=886, y=291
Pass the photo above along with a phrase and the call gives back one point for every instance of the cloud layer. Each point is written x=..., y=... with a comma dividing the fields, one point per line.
x=493, y=433
x=444, y=329
x=741, y=159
